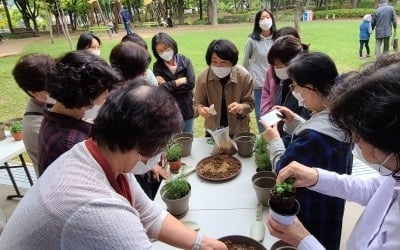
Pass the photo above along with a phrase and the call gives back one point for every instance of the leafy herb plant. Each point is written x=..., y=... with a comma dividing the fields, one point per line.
x=261, y=155
x=16, y=127
x=176, y=188
x=174, y=152
x=283, y=197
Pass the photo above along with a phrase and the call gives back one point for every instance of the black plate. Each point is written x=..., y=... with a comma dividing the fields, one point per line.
x=240, y=239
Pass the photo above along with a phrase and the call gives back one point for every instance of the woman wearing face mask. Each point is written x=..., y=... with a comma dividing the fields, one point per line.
x=283, y=50
x=175, y=73
x=87, y=199
x=31, y=73
x=315, y=142
x=366, y=106
x=255, y=54
x=89, y=42
x=81, y=80
x=227, y=86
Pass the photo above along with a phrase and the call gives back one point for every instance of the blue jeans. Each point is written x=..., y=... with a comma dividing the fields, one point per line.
x=188, y=126
x=128, y=27
x=257, y=108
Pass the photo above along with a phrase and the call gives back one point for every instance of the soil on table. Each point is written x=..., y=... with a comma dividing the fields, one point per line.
x=237, y=246
x=219, y=167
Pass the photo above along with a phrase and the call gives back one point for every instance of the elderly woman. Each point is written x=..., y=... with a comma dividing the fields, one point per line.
x=227, y=86
x=367, y=108
x=315, y=142
x=88, y=198
x=80, y=83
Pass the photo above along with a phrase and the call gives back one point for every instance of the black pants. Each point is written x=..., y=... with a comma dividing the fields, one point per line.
x=362, y=42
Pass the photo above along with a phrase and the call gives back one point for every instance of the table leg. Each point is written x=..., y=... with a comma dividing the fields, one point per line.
x=26, y=169
x=7, y=167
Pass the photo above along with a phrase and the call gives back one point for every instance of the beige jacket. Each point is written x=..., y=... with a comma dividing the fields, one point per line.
x=239, y=89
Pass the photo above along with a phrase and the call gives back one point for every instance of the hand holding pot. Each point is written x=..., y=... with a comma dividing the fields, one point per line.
x=304, y=176
x=292, y=234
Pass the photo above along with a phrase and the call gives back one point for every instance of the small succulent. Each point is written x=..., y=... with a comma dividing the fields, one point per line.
x=285, y=187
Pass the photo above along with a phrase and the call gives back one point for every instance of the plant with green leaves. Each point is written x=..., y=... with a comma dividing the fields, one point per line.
x=283, y=197
x=261, y=155
x=177, y=187
x=16, y=127
x=285, y=187
x=174, y=152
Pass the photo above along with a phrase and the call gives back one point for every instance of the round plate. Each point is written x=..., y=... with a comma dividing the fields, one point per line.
x=222, y=159
x=281, y=245
x=240, y=239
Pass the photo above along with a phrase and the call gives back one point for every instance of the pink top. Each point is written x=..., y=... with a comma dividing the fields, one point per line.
x=268, y=91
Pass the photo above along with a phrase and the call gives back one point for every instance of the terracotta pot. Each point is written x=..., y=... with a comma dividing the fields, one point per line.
x=2, y=133
x=175, y=166
x=285, y=219
x=245, y=143
x=17, y=136
x=178, y=207
x=186, y=140
x=263, y=187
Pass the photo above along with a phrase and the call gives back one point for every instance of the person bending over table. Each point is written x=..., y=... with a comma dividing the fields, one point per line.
x=366, y=106
x=227, y=86
x=89, y=199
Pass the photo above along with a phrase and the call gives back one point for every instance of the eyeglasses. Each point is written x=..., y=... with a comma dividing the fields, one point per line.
x=293, y=86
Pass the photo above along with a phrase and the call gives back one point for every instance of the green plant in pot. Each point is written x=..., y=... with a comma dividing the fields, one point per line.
x=16, y=130
x=261, y=155
x=283, y=203
x=176, y=193
x=174, y=154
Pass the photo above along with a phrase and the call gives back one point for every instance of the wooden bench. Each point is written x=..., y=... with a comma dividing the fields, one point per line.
x=93, y=29
x=148, y=24
x=231, y=19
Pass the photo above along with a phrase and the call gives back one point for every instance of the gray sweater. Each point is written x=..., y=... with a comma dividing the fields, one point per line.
x=255, y=59
x=383, y=19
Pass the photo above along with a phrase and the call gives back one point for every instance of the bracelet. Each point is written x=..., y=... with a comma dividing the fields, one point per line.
x=197, y=243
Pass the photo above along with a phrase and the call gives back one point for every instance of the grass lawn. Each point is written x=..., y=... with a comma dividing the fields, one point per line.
x=339, y=39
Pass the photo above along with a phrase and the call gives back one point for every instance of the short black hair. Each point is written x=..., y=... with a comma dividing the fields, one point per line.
x=137, y=116
x=224, y=49
x=130, y=59
x=285, y=48
x=85, y=40
x=80, y=77
x=287, y=30
x=316, y=69
x=135, y=38
x=367, y=104
x=257, y=30
x=32, y=71
x=163, y=38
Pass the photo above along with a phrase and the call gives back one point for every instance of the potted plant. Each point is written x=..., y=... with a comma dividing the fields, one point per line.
x=245, y=143
x=174, y=153
x=176, y=193
x=16, y=130
x=283, y=204
x=186, y=140
x=261, y=155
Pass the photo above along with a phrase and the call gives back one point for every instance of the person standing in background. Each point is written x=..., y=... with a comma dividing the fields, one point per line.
x=256, y=52
x=89, y=42
x=382, y=21
x=126, y=19
x=365, y=33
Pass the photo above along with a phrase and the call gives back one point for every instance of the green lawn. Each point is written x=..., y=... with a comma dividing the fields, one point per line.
x=337, y=38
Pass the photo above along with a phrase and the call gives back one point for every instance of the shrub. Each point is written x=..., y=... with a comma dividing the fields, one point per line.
x=261, y=154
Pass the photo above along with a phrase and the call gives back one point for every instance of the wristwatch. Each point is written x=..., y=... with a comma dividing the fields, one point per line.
x=197, y=243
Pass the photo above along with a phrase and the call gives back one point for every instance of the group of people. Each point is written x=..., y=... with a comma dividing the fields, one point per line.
x=90, y=126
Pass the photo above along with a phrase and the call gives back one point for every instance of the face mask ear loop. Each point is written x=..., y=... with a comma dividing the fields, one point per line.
x=385, y=161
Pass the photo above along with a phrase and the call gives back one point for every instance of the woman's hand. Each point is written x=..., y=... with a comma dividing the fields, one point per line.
x=303, y=176
x=203, y=112
x=287, y=113
x=211, y=244
x=181, y=81
x=158, y=172
x=270, y=133
x=160, y=79
x=292, y=234
x=235, y=108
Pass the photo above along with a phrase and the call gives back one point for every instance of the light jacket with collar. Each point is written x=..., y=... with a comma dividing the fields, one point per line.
x=239, y=88
x=378, y=226
x=383, y=19
x=256, y=58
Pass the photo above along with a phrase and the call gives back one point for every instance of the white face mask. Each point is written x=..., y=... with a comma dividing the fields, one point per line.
x=91, y=114
x=265, y=24
x=378, y=167
x=221, y=72
x=141, y=168
x=281, y=73
x=95, y=52
x=299, y=98
x=167, y=55
x=50, y=100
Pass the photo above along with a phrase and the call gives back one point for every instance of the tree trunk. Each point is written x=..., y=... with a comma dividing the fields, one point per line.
x=297, y=16
x=8, y=16
x=180, y=12
x=200, y=9
x=212, y=12
x=49, y=23
x=116, y=9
